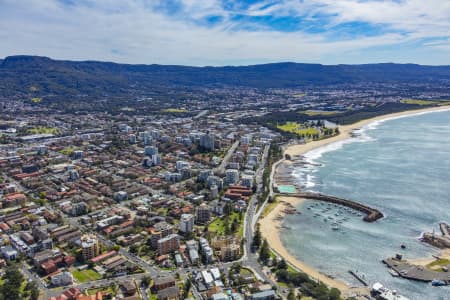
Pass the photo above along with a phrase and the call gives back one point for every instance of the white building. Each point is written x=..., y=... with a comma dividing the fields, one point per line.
x=61, y=279
x=187, y=223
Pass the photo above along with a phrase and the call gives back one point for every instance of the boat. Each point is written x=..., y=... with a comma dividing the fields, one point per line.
x=437, y=282
x=380, y=292
x=335, y=227
x=393, y=273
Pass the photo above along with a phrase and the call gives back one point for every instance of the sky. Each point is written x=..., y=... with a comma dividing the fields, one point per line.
x=226, y=32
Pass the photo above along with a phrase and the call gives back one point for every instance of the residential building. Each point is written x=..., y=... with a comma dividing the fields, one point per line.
x=89, y=246
x=203, y=213
x=168, y=244
x=186, y=223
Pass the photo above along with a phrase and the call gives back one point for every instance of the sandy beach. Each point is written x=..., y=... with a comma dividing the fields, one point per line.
x=346, y=130
x=270, y=228
x=270, y=224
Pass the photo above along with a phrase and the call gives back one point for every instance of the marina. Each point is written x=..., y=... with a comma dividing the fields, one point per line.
x=372, y=214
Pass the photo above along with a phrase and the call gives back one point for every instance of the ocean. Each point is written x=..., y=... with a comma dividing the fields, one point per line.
x=400, y=166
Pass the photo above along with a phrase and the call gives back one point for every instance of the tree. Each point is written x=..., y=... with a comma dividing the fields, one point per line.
x=33, y=289
x=282, y=265
x=264, y=252
x=12, y=282
x=291, y=295
x=335, y=294
x=257, y=238
x=187, y=287
x=146, y=280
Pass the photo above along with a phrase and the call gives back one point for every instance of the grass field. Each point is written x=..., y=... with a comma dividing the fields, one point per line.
x=268, y=208
x=86, y=275
x=218, y=225
x=319, y=112
x=420, y=102
x=174, y=110
x=438, y=264
x=106, y=290
x=41, y=130
x=299, y=129
x=68, y=150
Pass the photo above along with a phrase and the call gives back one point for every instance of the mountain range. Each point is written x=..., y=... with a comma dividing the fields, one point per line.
x=42, y=76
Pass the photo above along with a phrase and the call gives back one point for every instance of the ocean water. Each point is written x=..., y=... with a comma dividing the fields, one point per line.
x=400, y=166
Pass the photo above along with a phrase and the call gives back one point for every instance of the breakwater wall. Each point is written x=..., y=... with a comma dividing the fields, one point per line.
x=372, y=214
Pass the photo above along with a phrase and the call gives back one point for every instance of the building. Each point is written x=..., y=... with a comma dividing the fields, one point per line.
x=168, y=244
x=151, y=150
x=89, y=246
x=227, y=248
x=132, y=138
x=171, y=293
x=203, y=213
x=247, y=181
x=128, y=288
x=266, y=295
x=207, y=141
x=231, y=176
x=121, y=196
x=61, y=279
x=180, y=165
x=173, y=176
x=186, y=223
x=159, y=231
x=97, y=296
x=161, y=283
x=77, y=154
x=9, y=253
x=214, y=180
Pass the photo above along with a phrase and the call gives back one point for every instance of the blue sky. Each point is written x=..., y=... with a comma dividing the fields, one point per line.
x=226, y=32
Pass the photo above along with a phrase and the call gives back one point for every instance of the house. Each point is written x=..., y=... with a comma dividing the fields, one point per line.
x=266, y=295
x=128, y=288
x=161, y=283
x=9, y=253
x=170, y=293
x=63, y=278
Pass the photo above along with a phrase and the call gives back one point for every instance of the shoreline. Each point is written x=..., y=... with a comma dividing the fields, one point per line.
x=270, y=224
x=346, y=130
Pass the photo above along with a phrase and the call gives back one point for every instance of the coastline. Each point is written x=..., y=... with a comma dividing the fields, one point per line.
x=270, y=228
x=346, y=130
x=270, y=224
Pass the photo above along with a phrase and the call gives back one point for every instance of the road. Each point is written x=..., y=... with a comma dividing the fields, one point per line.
x=247, y=260
x=221, y=168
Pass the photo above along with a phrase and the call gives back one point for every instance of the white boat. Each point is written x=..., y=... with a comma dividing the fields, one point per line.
x=382, y=293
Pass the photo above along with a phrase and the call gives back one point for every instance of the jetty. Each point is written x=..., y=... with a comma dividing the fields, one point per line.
x=372, y=214
x=440, y=241
x=359, y=278
x=414, y=272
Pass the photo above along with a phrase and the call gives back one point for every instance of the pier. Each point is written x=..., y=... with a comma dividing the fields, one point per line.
x=413, y=272
x=358, y=277
x=372, y=214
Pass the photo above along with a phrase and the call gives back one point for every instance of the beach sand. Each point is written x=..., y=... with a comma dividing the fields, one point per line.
x=270, y=228
x=444, y=254
x=270, y=224
x=346, y=130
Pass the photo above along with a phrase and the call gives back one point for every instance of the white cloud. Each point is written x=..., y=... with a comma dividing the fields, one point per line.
x=134, y=32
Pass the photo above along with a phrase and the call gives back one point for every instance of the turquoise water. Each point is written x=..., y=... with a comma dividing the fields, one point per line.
x=287, y=189
x=400, y=166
